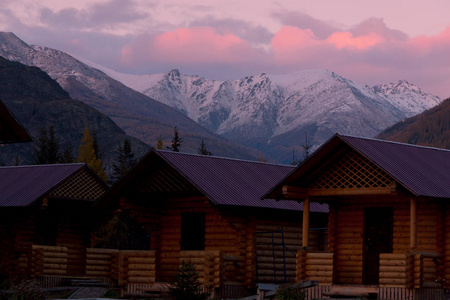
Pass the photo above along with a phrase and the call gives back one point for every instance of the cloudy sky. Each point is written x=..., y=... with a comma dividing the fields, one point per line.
x=367, y=41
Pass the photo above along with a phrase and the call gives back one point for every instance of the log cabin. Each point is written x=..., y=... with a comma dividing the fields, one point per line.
x=208, y=210
x=389, y=219
x=11, y=131
x=46, y=219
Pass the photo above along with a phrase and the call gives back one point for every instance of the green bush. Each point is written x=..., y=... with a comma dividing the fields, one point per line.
x=187, y=285
x=290, y=292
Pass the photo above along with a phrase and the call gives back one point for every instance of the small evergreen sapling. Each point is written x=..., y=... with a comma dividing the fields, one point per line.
x=187, y=285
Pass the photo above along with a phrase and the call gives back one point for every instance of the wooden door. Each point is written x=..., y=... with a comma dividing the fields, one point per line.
x=378, y=229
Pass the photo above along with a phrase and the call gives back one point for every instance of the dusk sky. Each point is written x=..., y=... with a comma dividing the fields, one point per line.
x=367, y=41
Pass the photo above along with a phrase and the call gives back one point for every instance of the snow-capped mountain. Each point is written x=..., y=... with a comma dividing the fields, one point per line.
x=274, y=111
x=271, y=113
x=136, y=113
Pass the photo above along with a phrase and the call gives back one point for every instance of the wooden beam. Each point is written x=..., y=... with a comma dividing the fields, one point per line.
x=294, y=192
x=413, y=223
x=305, y=233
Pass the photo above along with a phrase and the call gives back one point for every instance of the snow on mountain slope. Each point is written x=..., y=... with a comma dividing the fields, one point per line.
x=266, y=111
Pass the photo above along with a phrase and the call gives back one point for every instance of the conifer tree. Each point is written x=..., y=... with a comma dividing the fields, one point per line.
x=46, y=147
x=125, y=160
x=176, y=141
x=203, y=150
x=186, y=285
x=86, y=154
x=66, y=156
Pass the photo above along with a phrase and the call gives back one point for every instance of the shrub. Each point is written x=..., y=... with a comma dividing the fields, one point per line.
x=290, y=292
x=187, y=285
x=26, y=290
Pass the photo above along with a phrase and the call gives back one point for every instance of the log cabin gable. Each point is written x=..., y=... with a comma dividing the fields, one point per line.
x=81, y=186
x=348, y=174
x=352, y=174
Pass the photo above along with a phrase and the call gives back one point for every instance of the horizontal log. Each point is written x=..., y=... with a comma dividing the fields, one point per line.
x=138, y=253
x=388, y=262
x=96, y=262
x=320, y=274
x=142, y=260
x=392, y=256
x=141, y=266
x=141, y=273
x=54, y=272
x=56, y=260
x=141, y=280
x=49, y=248
x=402, y=268
x=318, y=255
x=396, y=281
x=55, y=266
x=392, y=275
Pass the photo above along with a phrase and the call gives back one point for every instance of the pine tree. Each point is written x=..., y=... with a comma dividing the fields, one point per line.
x=159, y=144
x=125, y=160
x=86, y=154
x=187, y=285
x=306, y=147
x=202, y=150
x=46, y=147
x=66, y=156
x=176, y=141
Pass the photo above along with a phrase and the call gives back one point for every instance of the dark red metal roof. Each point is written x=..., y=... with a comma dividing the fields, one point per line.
x=424, y=171
x=23, y=185
x=234, y=182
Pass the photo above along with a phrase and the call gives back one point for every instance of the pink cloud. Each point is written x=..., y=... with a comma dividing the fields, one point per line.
x=198, y=45
x=347, y=40
x=369, y=54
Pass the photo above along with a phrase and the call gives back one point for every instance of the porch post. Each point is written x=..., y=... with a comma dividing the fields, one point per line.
x=305, y=233
x=413, y=223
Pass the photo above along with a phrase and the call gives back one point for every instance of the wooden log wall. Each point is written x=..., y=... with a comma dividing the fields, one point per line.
x=348, y=233
x=136, y=267
x=220, y=233
x=395, y=270
x=315, y=266
x=48, y=261
x=446, y=246
x=102, y=263
x=269, y=253
x=73, y=234
x=209, y=265
x=348, y=243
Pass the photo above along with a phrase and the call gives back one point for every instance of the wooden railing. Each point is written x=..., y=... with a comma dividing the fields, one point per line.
x=48, y=260
x=410, y=269
x=315, y=266
x=102, y=262
x=136, y=267
x=395, y=270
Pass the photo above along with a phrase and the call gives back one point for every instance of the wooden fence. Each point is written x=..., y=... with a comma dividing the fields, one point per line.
x=48, y=261
x=315, y=266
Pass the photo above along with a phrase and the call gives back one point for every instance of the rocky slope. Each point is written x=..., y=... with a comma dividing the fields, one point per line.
x=37, y=101
x=273, y=112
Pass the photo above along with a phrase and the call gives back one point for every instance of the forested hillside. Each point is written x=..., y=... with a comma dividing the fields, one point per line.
x=430, y=128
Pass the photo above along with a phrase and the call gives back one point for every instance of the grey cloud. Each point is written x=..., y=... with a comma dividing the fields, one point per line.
x=242, y=29
x=113, y=12
x=376, y=25
x=304, y=21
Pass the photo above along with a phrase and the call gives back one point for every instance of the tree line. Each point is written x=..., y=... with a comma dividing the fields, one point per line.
x=46, y=150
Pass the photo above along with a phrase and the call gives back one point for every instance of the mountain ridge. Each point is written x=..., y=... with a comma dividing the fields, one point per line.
x=137, y=114
x=264, y=111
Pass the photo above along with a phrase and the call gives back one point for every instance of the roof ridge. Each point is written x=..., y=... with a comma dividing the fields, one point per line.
x=223, y=158
x=44, y=165
x=394, y=142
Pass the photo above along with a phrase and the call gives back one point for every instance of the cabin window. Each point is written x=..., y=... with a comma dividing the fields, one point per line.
x=192, y=231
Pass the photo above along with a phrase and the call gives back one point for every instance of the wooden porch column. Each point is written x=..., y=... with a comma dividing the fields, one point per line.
x=413, y=223
x=305, y=233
